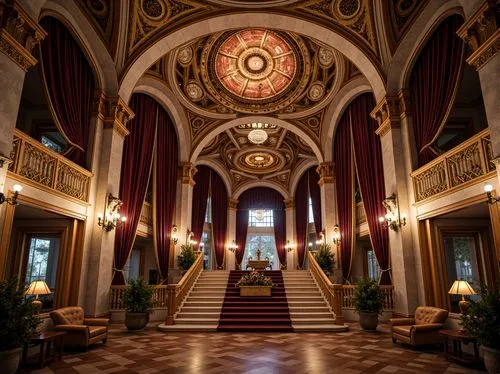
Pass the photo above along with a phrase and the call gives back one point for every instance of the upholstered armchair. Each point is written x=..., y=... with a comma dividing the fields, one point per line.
x=421, y=330
x=81, y=331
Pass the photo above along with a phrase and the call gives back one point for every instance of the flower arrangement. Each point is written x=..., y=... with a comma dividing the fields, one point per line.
x=255, y=278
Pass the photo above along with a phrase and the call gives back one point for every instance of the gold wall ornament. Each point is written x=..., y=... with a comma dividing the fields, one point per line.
x=13, y=199
x=19, y=34
x=111, y=218
x=393, y=219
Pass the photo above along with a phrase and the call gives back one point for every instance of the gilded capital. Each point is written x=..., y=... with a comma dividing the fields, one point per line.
x=113, y=111
x=19, y=34
x=482, y=34
x=326, y=173
x=186, y=173
x=233, y=203
x=289, y=203
x=389, y=112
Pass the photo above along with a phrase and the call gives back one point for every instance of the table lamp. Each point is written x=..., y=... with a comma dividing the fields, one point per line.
x=462, y=287
x=38, y=287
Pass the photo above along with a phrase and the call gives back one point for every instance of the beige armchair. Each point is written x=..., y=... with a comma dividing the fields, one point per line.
x=421, y=330
x=80, y=331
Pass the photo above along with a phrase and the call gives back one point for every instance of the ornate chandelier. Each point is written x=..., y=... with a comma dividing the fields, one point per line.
x=257, y=136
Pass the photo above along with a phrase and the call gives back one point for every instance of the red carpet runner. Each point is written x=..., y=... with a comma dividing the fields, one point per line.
x=257, y=314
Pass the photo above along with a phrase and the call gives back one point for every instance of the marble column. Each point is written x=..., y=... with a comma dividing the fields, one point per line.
x=481, y=32
x=112, y=115
x=291, y=256
x=402, y=247
x=184, y=206
x=231, y=233
x=19, y=34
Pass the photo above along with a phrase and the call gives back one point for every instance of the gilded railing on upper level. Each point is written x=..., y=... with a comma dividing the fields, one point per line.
x=45, y=167
x=160, y=297
x=348, y=293
x=146, y=214
x=360, y=213
x=177, y=292
x=454, y=169
x=332, y=292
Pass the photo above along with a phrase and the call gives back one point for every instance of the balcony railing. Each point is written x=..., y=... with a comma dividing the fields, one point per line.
x=146, y=214
x=360, y=214
x=348, y=293
x=454, y=169
x=47, y=168
x=160, y=297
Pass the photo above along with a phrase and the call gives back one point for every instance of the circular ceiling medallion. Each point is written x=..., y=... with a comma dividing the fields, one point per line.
x=255, y=70
x=259, y=160
x=326, y=57
x=347, y=9
x=185, y=55
x=257, y=136
x=316, y=91
x=194, y=91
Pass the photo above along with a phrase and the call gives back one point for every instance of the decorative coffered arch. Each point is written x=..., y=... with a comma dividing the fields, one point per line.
x=243, y=120
x=162, y=93
x=233, y=21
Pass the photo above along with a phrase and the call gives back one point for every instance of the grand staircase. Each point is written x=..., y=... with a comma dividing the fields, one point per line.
x=309, y=310
x=201, y=310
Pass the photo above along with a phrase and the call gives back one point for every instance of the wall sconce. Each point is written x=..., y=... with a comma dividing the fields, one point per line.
x=233, y=247
x=321, y=239
x=336, y=235
x=111, y=218
x=289, y=246
x=11, y=200
x=174, y=235
x=190, y=238
x=392, y=219
x=488, y=188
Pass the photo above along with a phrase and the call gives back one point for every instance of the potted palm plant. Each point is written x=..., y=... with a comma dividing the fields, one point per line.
x=481, y=320
x=187, y=257
x=18, y=323
x=137, y=301
x=368, y=301
x=325, y=259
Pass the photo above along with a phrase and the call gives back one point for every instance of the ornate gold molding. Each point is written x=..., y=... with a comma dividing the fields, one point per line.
x=186, y=173
x=390, y=111
x=326, y=173
x=289, y=203
x=233, y=203
x=113, y=111
x=482, y=34
x=19, y=34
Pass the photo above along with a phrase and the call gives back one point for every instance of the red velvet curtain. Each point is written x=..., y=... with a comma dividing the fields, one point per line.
x=241, y=234
x=315, y=194
x=344, y=174
x=261, y=198
x=135, y=172
x=301, y=221
x=432, y=85
x=69, y=82
x=369, y=166
x=164, y=189
x=280, y=233
x=219, y=217
x=200, y=196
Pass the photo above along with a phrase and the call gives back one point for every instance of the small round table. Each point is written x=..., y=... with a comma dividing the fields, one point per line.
x=45, y=351
x=457, y=337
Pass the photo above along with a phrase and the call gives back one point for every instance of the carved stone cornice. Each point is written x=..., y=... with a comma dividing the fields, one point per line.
x=390, y=111
x=326, y=173
x=19, y=34
x=186, y=173
x=113, y=111
x=482, y=33
x=233, y=203
x=289, y=203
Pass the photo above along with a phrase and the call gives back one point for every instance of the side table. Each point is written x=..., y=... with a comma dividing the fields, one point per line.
x=45, y=339
x=457, y=337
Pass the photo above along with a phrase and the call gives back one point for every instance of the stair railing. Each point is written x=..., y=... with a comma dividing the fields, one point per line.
x=177, y=292
x=332, y=292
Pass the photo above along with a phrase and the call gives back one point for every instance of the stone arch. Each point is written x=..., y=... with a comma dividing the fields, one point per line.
x=260, y=183
x=369, y=68
x=220, y=170
x=413, y=41
x=160, y=91
x=239, y=121
x=335, y=110
x=298, y=173
x=101, y=61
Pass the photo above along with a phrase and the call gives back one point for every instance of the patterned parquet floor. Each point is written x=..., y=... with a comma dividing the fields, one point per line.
x=150, y=351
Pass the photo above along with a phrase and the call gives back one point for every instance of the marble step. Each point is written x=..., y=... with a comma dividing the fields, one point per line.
x=311, y=315
x=197, y=321
x=197, y=315
x=313, y=321
x=201, y=309
x=207, y=303
x=308, y=309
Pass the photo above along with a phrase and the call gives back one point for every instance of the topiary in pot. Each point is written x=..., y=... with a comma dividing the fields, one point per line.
x=18, y=323
x=481, y=320
x=137, y=301
x=187, y=257
x=325, y=259
x=368, y=300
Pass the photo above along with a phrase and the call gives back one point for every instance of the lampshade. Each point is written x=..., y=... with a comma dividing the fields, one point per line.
x=461, y=287
x=38, y=287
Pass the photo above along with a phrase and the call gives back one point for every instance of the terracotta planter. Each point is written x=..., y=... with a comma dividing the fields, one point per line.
x=368, y=321
x=136, y=321
x=491, y=359
x=255, y=290
x=10, y=360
